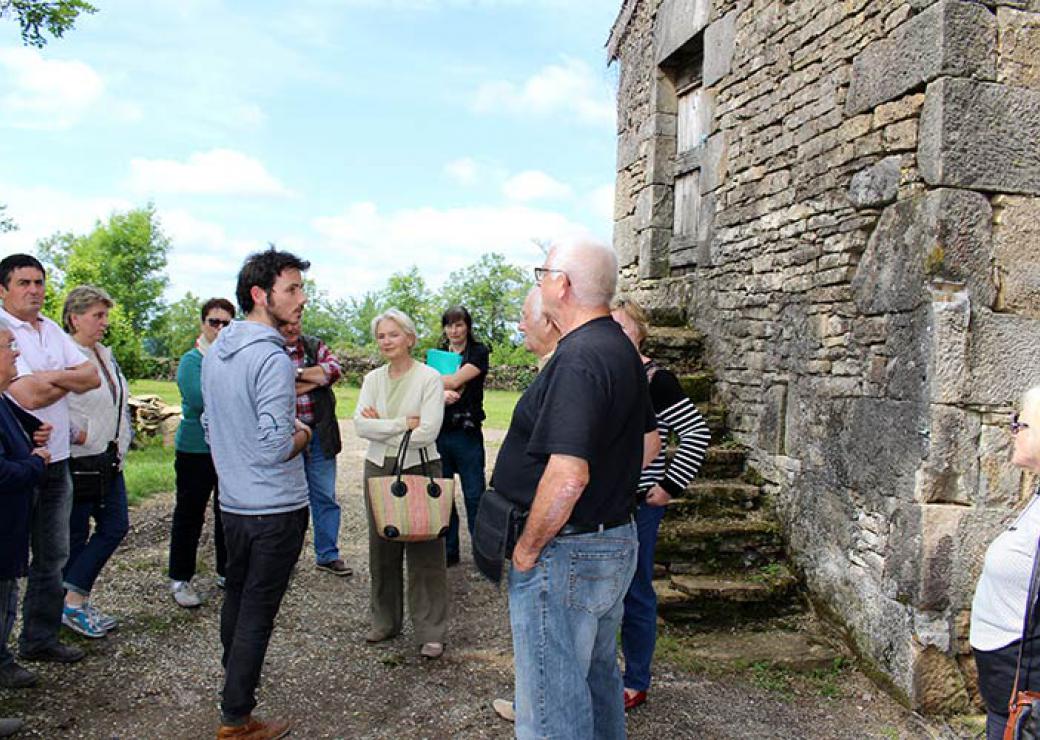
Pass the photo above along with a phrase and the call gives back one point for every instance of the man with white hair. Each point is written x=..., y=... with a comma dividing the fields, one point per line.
x=578, y=439
x=540, y=334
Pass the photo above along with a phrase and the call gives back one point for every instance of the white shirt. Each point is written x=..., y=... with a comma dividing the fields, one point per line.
x=47, y=349
x=999, y=606
x=95, y=411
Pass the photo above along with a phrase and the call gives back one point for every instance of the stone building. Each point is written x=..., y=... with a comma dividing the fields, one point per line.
x=844, y=198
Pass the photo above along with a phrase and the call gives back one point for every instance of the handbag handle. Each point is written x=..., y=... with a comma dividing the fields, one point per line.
x=398, y=487
x=1027, y=621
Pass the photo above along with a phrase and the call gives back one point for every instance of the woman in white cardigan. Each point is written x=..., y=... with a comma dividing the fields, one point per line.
x=400, y=396
x=100, y=421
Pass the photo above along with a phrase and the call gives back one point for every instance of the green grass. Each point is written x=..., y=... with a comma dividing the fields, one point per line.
x=498, y=405
x=148, y=470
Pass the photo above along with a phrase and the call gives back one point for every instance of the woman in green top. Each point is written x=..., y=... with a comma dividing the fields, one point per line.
x=196, y=476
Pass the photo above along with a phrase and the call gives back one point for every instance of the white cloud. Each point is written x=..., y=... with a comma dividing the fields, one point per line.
x=216, y=172
x=463, y=171
x=534, y=185
x=41, y=212
x=48, y=94
x=569, y=88
x=370, y=245
x=601, y=202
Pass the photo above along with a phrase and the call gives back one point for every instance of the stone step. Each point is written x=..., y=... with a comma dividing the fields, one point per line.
x=730, y=497
x=723, y=462
x=720, y=544
x=679, y=348
x=698, y=386
x=773, y=583
x=783, y=649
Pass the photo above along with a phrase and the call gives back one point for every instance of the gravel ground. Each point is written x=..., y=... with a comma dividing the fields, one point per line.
x=159, y=676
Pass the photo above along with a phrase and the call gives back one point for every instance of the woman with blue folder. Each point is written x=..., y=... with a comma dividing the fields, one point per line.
x=461, y=442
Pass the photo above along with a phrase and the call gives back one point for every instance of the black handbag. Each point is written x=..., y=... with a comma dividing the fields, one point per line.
x=499, y=525
x=1024, y=707
x=93, y=474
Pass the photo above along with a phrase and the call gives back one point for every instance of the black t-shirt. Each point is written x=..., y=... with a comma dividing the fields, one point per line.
x=468, y=411
x=590, y=401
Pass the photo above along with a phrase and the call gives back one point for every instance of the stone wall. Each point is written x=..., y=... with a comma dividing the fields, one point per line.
x=859, y=248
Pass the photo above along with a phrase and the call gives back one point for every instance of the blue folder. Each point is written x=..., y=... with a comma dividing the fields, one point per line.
x=443, y=362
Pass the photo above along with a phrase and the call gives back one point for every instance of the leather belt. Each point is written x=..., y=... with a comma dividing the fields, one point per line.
x=569, y=530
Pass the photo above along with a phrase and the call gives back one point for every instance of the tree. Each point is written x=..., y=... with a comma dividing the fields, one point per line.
x=176, y=330
x=493, y=292
x=6, y=223
x=127, y=257
x=37, y=16
x=324, y=317
x=408, y=292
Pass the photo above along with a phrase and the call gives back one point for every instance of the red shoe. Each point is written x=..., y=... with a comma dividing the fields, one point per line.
x=634, y=698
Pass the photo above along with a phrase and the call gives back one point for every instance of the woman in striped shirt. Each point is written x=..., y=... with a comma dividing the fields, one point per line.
x=661, y=480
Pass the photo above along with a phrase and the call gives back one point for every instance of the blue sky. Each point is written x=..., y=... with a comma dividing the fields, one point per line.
x=367, y=135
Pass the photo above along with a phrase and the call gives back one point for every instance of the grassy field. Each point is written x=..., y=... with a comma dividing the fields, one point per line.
x=150, y=470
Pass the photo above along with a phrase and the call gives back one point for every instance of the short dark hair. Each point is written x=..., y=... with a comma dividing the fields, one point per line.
x=457, y=313
x=262, y=269
x=12, y=262
x=221, y=303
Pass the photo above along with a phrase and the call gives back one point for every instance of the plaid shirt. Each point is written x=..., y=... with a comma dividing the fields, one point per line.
x=326, y=361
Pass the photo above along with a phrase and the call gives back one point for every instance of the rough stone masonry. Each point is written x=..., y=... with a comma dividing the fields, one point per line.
x=844, y=197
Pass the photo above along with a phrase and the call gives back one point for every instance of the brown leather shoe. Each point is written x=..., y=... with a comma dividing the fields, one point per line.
x=254, y=729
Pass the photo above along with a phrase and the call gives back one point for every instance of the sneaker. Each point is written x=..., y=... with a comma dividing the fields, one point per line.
x=254, y=729
x=504, y=709
x=13, y=676
x=56, y=653
x=78, y=619
x=336, y=567
x=105, y=621
x=185, y=595
x=432, y=650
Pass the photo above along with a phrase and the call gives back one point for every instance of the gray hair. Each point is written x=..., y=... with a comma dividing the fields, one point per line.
x=79, y=300
x=400, y=318
x=1031, y=399
x=591, y=266
x=534, y=302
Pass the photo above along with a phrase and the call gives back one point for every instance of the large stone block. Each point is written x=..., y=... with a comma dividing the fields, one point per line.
x=1016, y=234
x=1018, y=48
x=949, y=371
x=945, y=234
x=653, y=252
x=714, y=163
x=719, y=46
x=952, y=37
x=950, y=473
x=980, y=135
x=677, y=22
x=1004, y=355
x=939, y=683
x=877, y=185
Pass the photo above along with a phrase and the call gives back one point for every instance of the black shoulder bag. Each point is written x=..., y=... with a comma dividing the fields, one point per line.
x=1024, y=708
x=92, y=474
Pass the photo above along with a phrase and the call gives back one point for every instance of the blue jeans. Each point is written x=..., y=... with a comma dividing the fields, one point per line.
x=321, y=487
x=49, y=545
x=565, y=613
x=88, y=554
x=462, y=452
x=639, y=623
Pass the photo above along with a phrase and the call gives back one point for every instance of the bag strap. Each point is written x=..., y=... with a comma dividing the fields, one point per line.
x=401, y=450
x=1027, y=622
x=113, y=385
x=425, y=461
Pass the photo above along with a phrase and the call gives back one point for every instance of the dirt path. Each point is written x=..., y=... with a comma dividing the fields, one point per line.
x=160, y=675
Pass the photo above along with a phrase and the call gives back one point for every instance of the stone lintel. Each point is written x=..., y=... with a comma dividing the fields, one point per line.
x=980, y=135
x=677, y=22
x=952, y=37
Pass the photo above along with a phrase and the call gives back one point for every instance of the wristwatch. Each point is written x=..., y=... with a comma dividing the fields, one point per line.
x=299, y=373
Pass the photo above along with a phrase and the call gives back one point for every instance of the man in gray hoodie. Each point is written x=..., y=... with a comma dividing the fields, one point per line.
x=248, y=386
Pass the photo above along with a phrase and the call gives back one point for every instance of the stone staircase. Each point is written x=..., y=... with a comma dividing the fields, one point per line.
x=721, y=565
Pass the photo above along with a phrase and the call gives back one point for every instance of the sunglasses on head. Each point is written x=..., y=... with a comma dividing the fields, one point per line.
x=218, y=323
x=1016, y=425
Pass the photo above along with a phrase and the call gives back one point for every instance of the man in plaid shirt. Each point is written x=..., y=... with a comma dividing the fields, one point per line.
x=316, y=370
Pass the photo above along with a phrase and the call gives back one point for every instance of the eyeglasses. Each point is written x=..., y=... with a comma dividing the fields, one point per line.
x=1016, y=425
x=217, y=323
x=541, y=272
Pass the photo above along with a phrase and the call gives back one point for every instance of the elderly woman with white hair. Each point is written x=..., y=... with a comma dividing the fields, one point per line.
x=400, y=396
x=999, y=608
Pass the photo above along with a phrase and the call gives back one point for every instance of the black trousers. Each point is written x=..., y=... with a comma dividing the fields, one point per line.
x=262, y=551
x=196, y=480
x=997, y=677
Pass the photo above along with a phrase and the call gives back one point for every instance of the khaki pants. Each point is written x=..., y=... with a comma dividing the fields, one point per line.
x=427, y=575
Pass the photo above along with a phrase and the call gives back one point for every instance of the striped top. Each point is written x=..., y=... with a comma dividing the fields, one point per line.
x=675, y=414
